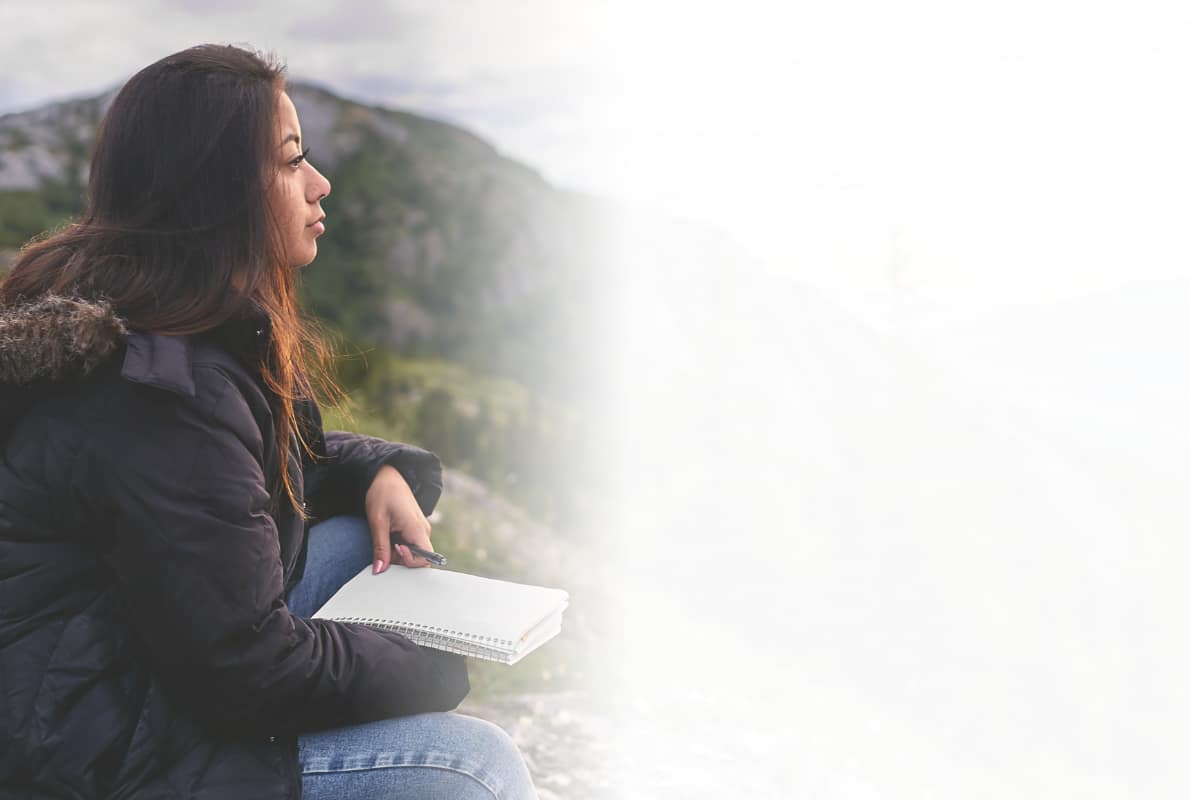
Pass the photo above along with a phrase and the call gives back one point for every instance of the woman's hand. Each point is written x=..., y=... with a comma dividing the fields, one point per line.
x=390, y=506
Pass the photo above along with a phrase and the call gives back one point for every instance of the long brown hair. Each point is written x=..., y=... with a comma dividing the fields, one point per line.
x=177, y=233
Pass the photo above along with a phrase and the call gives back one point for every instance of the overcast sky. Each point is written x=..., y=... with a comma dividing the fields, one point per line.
x=1002, y=148
x=516, y=72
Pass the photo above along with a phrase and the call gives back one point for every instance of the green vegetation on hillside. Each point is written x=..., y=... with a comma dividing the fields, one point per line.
x=490, y=427
x=27, y=213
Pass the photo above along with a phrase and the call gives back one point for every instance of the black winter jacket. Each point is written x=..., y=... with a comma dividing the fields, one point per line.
x=146, y=650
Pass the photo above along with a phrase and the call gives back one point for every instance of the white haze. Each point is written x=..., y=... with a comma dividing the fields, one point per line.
x=906, y=519
x=936, y=551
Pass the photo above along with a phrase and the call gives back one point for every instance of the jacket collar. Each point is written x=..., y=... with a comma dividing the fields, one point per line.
x=56, y=338
x=162, y=361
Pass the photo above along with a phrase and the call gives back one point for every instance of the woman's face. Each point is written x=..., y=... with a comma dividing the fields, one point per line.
x=297, y=191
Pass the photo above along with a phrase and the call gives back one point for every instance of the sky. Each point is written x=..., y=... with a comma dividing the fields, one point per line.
x=1014, y=149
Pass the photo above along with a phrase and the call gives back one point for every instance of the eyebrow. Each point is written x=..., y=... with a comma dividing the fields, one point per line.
x=293, y=137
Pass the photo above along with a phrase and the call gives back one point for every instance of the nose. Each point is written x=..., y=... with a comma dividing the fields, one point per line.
x=319, y=187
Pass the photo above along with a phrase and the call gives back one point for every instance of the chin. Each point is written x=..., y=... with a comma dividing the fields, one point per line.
x=306, y=259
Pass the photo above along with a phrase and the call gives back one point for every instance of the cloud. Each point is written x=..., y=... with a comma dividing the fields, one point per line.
x=510, y=72
x=357, y=21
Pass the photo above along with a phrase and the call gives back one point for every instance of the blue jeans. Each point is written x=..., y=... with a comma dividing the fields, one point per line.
x=437, y=755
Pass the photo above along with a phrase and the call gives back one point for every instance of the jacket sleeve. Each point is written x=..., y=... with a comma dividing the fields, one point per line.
x=338, y=483
x=197, y=563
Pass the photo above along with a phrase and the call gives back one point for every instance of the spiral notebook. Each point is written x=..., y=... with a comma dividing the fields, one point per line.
x=453, y=611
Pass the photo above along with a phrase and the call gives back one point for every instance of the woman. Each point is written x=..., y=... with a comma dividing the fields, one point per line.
x=157, y=563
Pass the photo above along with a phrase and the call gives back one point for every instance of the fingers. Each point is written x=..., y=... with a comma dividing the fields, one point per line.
x=405, y=557
x=417, y=533
x=381, y=551
x=391, y=535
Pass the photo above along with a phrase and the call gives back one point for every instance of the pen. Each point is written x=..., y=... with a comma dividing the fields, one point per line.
x=428, y=555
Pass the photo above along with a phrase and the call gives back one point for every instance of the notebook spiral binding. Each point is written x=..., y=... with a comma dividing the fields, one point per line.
x=486, y=647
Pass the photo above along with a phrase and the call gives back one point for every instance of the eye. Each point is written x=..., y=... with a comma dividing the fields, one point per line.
x=297, y=162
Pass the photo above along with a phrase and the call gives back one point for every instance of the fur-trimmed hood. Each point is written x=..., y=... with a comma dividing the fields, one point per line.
x=61, y=338
x=56, y=338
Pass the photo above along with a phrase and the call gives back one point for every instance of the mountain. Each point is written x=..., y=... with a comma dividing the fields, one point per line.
x=436, y=245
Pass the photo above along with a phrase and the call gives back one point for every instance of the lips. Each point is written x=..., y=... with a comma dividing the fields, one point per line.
x=318, y=221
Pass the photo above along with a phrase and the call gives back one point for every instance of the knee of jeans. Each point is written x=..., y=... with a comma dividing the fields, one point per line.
x=491, y=739
x=352, y=530
x=345, y=521
x=494, y=748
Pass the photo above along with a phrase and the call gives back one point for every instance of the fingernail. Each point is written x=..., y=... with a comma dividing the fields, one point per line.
x=376, y=567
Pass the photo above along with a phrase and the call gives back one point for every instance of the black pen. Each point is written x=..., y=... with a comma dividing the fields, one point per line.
x=429, y=555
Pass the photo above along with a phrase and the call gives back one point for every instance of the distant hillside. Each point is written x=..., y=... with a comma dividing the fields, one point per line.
x=437, y=245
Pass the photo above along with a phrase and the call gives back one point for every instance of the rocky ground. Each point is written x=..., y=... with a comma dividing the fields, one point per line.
x=565, y=742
